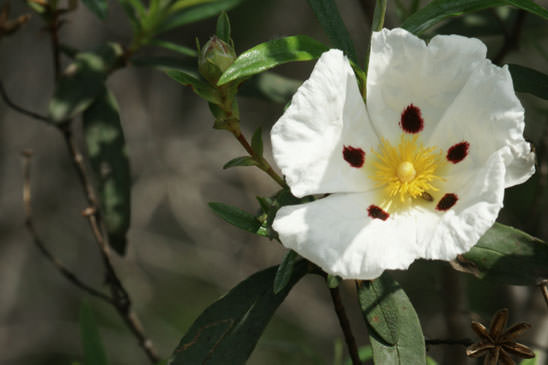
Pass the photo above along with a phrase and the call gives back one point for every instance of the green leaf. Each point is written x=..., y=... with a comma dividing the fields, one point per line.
x=228, y=330
x=94, y=352
x=223, y=27
x=257, y=142
x=174, y=47
x=236, y=217
x=527, y=80
x=271, y=54
x=201, y=88
x=438, y=10
x=196, y=13
x=271, y=87
x=166, y=62
x=327, y=13
x=82, y=81
x=99, y=7
x=378, y=15
x=507, y=255
x=396, y=320
x=240, y=161
x=285, y=271
x=107, y=151
x=364, y=353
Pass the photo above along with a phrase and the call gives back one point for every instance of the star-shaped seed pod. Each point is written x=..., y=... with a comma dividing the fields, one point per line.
x=496, y=344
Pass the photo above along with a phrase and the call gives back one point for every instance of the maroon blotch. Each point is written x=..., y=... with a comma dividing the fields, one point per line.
x=411, y=119
x=447, y=201
x=354, y=156
x=458, y=152
x=377, y=212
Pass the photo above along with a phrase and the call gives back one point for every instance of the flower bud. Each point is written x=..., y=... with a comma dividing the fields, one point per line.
x=215, y=57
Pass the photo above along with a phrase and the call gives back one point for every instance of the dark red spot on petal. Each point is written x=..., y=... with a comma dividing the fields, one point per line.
x=411, y=120
x=354, y=156
x=457, y=152
x=377, y=212
x=447, y=201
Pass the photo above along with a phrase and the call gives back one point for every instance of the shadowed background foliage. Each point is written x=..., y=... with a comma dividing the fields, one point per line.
x=181, y=257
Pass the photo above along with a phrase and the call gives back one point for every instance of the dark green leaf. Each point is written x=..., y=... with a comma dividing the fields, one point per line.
x=257, y=142
x=507, y=255
x=378, y=15
x=273, y=53
x=438, y=10
x=397, y=321
x=134, y=10
x=333, y=281
x=228, y=330
x=271, y=87
x=107, y=151
x=240, y=161
x=223, y=27
x=166, y=62
x=82, y=81
x=174, y=47
x=201, y=88
x=99, y=7
x=327, y=13
x=198, y=12
x=236, y=217
x=94, y=352
x=285, y=271
x=527, y=80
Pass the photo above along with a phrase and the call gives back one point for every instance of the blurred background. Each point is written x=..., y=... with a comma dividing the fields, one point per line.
x=181, y=256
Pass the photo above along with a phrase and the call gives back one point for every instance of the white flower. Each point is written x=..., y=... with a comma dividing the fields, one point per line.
x=419, y=171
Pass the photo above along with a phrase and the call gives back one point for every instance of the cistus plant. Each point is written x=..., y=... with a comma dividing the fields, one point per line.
x=397, y=150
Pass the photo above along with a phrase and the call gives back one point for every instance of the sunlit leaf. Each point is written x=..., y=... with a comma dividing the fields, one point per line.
x=395, y=320
x=271, y=54
x=94, y=352
x=507, y=255
x=82, y=81
x=198, y=12
x=327, y=13
x=228, y=330
x=99, y=7
x=438, y=10
x=527, y=80
x=107, y=151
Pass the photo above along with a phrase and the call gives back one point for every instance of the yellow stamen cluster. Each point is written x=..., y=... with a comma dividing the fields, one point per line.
x=407, y=170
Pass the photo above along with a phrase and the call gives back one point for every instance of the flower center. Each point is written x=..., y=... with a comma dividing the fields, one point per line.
x=407, y=170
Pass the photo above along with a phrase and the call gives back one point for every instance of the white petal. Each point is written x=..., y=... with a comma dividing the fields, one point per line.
x=326, y=114
x=337, y=234
x=403, y=70
x=488, y=115
x=444, y=235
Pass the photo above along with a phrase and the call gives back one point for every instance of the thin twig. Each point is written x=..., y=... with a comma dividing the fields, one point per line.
x=69, y=275
x=461, y=341
x=19, y=109
x=511, y=41
x=345, y=325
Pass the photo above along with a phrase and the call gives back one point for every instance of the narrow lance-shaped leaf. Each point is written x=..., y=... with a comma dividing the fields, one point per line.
x=271, y=54
x=257, y=142
x=200, y=87
x=82, y=81
x=329, y=17
x=223, y=28
x=94, y=352
x=174, y=47
x=397, y=321
x=438, y=10
x=240, y=161
x=196, y=13
x=507, y=255
x=106, y=147
x=99, y=7
x=527, y=80
x=236, y=217
x=228, y=330
x=285, y=271
x=378, y=15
